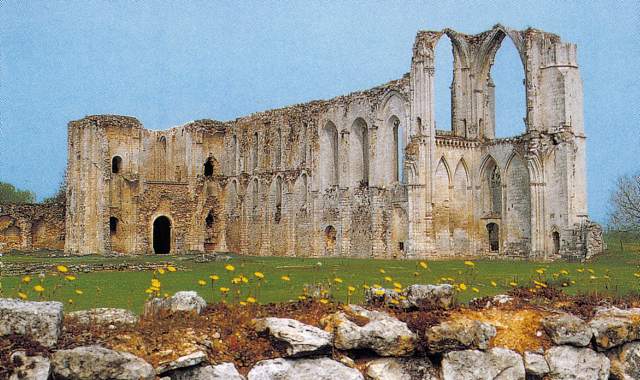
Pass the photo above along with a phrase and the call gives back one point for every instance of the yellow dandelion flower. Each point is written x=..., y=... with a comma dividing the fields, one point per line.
x=388, y=279
x=79, y=292
x=443, y=279
x=416, y=274
x=351, y=289
x=637, y=274
x=376, y=286
x=243, y=303
x=394, y=301
x=513, y=283
x=171, y=268
x=251, y=300
x=26, y=279
x=236, y=280
x=229, y=267
x=338, y=280
x=70, y=278
x=573, y=282
x=397, y=290
x=285, y=278
x=580, y=270
x=224, y=290
x=244, y=279
x=302, y=298
x=540, y=270
x=38, y=288
x=590, y=271
x=160, y=270
x=379, y=292
x=166, y=295
x=494, y=284
x=259, y=275
x=469, y=263
x=155, y=283
x=475, y=289
x=62, y=269
x=22, y=295
x=70, y=301
x=423, y=264
x=149, y=291
x=202, y=282
x=214, y=277
x=397, y=285
x=592, y=277
x=382, y=271
x=324, y=301
x=462, y=286
x=153, y=288
x=564, y=271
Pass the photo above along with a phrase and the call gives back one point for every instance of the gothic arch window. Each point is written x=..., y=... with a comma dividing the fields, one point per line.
x=209, y=220
x=208, y=167
x=359, y=152
x=398, y=148
x=443, y=84
x=329, y=155
x=113, y=225
x=116, y=164
x=495, y=189
x=256, y=194
x=278, y=200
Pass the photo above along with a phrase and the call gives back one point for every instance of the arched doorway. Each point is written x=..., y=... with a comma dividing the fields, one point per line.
x=494, y=237
x=556, y=242
x=330, y=235
x=162, y=235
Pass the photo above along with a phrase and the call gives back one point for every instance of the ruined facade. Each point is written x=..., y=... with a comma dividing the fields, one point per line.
x=363, y=175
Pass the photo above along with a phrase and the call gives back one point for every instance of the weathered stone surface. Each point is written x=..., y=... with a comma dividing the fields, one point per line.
x=613, y=327
x=99, y=363
x=303, y=369
x=378, y=296
x=625, y=361
x=495, y=364
x=535, y=364
x=459, y=334
x=574, y=363
x=381, y=333
x=190, y=360
x=104, y=315
x=401, y=369
x=301, y=339
x=29, y=367
x=426, y=295
x=567, y=329
x=181, y=301
x=224, y=371
x=39, y=321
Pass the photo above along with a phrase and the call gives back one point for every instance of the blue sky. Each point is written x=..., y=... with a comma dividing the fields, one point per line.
x=170, y=62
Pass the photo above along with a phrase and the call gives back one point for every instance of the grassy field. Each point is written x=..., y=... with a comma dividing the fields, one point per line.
x=616, y=272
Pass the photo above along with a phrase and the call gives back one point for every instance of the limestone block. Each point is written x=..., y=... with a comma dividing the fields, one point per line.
x=567, y=329
x=104, y=315
x=613, y=327
x=494, y=364
x=99, y=363
x=301, y=339
x=29, y=367
x=188, y=301
x=303, y=369
x=573, y=363
x=625, y=361
x=401, y=369
x=40, y=321
x=459, y=334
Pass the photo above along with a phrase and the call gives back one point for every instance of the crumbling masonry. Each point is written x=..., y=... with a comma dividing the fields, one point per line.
x=362, y=175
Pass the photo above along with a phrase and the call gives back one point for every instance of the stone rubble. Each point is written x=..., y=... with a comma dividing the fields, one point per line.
x=301, y=339
x=462, y=348
x=104, y=315
x=188, y=301
x=40, y=321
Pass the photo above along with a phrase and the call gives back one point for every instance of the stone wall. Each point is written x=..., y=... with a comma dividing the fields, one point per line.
x=28, y=227
x=366, y=174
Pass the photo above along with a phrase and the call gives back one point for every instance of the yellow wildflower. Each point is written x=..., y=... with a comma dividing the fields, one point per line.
x=26, y=279
x=590, y=271
x=324, y=301
x=338, y=280
x=224, y=290
x=62, y=269
x=214, y=277
x=236, y=280
x=351, y=289
x=22, y=295
x=302, y=298
x=202, y=282
x=230, y=267
x=79, y=292
x=564, y=271
x=592, y=277
x=251, y=300
x=160, y=270
x=244, y=279
x=382, y=271
x=513, y=283
x=70, y=278
x=580, y=270
x=416, y=274
x=149, y=291
x=171, y=268
x=70, y=301
x=376, y=286
x=388, y=279
x=38, y=288
x=397, y=285
x=259, y=275
x=462, y=286
x=243, y=303
x=285, y=278
x=469, y=263
x=423, y=264
x=155, y=283
x=394, y=301
x=379, y=292
x=540, y=270
x=493, y=283
x=475, y=289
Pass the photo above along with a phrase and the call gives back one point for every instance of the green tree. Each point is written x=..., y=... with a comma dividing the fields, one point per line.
x=9, y=194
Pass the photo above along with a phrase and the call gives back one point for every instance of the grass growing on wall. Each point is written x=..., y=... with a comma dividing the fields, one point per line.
x=276, y=279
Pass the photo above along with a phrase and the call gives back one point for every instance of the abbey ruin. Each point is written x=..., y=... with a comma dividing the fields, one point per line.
x=363, y=175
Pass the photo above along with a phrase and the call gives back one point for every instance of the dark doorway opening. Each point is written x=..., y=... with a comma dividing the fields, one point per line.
x=208, y=168
x=494, y=237
x=556, y=243
x=209, y=219
x=162, y=235
x=116, y=164
x=113, y=225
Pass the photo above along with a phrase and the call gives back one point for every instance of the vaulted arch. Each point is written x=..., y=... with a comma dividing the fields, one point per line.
x=391, y=138
x=441, y=206
x=461, y=210
x=328, y=160
x=518, y=203
x=359, y=152
x=491, y=188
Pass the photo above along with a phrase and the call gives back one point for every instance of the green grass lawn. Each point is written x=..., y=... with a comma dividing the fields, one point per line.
x=127, y=289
